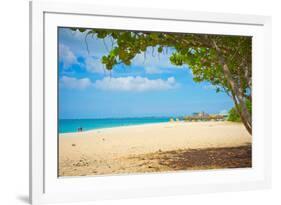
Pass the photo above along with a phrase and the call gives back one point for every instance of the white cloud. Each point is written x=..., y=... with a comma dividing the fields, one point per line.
x=191, y=72
x=210, y=87
x=94, y=65
x=79, y=35
x=74, y=83
x=66, y=56
x=152, y=70
x=135, y=84
x=155, y=60
x=151, y=57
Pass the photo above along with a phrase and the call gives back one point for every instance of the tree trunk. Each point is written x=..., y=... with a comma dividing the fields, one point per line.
x=248, y=127
x=244, y=113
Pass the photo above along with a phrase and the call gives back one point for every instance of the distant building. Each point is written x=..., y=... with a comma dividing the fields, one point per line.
x=203, y=116
x=200, y=114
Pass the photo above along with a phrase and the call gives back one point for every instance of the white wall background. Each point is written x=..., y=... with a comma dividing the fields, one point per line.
x=14, y=100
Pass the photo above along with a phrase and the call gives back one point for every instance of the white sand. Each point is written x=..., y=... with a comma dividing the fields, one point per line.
x=105, y=145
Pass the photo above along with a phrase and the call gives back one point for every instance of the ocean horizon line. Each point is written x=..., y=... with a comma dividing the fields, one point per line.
x=109, y=118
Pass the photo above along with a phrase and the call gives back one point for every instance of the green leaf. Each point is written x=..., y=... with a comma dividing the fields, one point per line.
x=81, y=29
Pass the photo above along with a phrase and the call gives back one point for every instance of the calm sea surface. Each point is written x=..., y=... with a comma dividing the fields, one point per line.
x=72, y=125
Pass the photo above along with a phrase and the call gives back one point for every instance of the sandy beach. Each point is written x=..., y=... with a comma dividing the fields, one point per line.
x=155, y=147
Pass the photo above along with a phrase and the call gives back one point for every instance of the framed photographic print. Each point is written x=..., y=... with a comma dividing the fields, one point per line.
x=127, y=102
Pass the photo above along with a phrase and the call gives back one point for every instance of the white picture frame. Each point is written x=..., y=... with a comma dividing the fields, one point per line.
x=46, y=187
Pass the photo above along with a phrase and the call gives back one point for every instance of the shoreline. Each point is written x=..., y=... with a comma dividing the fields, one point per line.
x=141, y=125
x=133, y=149
x=106, y=128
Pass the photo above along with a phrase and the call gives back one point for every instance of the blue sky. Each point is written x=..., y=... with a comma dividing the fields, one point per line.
x=150, y=86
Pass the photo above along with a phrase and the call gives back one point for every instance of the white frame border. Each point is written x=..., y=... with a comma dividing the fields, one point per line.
x=37, y=11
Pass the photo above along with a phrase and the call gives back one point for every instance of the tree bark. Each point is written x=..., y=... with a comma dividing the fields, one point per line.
x=248, y=127
x=242, y=101
x=244, y=113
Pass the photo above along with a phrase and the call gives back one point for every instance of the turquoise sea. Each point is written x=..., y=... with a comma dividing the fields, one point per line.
x=72, y=125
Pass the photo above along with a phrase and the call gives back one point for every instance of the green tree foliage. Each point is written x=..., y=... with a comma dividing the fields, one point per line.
x=233, y=114
x=224, y=61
